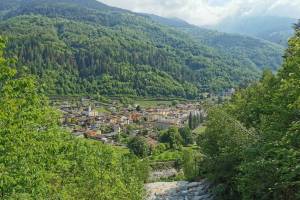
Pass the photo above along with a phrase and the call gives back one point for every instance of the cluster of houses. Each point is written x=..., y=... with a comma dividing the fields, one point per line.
x=92, y=122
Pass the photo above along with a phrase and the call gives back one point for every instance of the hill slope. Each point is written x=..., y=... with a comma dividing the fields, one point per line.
x=247, y=50
x=85, y=47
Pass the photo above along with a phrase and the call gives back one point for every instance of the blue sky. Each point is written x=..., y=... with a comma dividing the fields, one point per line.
x=210, y=12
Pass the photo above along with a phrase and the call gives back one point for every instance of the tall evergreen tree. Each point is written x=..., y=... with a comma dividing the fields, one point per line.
x=190, y=121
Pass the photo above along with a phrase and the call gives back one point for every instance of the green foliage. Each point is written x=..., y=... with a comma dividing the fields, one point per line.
x=126, y=100
x=246, y=50
x=186, y=135
x=251, y=145
x=191, y=159
x=101, y=98
x=85, y=47
x=138, y=145
x=175, y=102
x=39, y=160
x=160, y=148
x=195, y=119
x=168, y=155
x=171, y=137
x=223, y=143
x=138, y=108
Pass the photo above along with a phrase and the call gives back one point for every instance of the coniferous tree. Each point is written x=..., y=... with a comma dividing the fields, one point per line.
x=190, y=121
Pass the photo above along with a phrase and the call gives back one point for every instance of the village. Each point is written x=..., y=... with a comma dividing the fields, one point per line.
x=106, y=122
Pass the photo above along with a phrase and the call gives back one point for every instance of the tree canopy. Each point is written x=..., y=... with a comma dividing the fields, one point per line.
x=251, y=144
x=138, y=145
x=39, y=160
x=85, y=47
x=172, y=137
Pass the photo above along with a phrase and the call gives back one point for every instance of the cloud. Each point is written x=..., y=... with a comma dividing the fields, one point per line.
x=210, y=12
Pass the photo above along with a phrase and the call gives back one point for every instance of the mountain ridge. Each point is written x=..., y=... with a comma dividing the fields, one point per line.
x=87, y=48
x=272, y=28
x=220, y=40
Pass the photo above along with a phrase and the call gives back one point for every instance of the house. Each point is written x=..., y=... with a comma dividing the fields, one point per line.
x=124, y=120
x=113, y=109
x=89, y=112
x=90, y=133
x=104, y=139
x=117, y=128
x=109, y=135
x=135, y=117
x=153, y=117
x=113, y=120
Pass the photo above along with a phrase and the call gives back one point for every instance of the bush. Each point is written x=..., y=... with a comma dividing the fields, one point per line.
x=138, y=145
x=172, y=137
x=160, y=148
x=175, y=102
x=191, y=160
x=186, y=135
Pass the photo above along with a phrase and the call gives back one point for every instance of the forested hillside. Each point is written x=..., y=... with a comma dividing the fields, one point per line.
x=244, y=49
x=85, y=47
x=252, y=144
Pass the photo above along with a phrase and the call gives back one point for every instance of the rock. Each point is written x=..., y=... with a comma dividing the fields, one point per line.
x=165, y=173
x=193, y=184
x=178, y=190
x=198, y=192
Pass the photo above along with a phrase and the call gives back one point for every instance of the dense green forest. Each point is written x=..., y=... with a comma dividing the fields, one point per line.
x=85, y=47
x=245, y=50
x=39, y=160
x=252, y=144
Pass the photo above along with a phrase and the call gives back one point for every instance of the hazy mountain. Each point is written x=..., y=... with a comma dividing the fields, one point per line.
x=247, y=50
x=274, y=29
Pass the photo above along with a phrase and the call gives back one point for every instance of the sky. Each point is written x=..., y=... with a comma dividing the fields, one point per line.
x=210, y=12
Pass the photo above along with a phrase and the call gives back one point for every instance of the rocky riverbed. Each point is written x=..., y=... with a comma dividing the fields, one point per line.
x=179, y=190
x=164, y=173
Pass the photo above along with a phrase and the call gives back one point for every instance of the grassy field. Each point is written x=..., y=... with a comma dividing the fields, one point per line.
x=102, y=110
x=199, y=130
x=143, y=102
x=170, y=155
x=152, y=103
x=121, y=150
